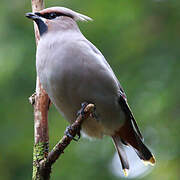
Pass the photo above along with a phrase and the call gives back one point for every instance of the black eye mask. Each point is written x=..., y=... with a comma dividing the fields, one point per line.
x=52, y=15
x=41, y=25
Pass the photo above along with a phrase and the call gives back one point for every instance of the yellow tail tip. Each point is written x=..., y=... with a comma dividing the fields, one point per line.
x=126, y=171
x=151, y=161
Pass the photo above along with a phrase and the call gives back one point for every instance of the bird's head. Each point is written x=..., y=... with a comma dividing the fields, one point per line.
x=55, y=17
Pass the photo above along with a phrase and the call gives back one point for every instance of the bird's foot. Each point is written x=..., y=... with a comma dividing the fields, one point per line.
x=81, y=111
x=94, y=114
x=68, y=133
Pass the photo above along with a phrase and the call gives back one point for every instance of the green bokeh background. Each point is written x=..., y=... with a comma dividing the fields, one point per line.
x=140, y=40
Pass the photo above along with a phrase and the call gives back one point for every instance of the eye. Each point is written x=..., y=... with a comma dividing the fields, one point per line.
x=52, y=15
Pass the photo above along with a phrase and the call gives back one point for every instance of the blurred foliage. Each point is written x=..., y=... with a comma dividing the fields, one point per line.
x=140, y=40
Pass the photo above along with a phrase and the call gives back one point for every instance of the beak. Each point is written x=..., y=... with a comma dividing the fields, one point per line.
x=32, y=16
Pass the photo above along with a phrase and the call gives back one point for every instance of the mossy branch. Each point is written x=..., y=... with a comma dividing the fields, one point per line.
x=43, y=161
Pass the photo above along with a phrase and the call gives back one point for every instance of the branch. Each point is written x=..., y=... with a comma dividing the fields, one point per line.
x=65, y=141
x=41, y=105
x=46, y=164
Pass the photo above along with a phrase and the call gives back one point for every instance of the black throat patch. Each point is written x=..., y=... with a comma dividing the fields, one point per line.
x=41, y=26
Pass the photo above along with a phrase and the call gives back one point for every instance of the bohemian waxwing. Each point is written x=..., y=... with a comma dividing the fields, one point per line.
x=72, y=71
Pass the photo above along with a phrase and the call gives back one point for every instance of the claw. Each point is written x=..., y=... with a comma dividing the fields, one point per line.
x=79, y=135
x=94, y=114
x=68, y=133
x=81, y=111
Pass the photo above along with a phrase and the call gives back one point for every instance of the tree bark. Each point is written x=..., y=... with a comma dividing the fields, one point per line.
x=41, y=105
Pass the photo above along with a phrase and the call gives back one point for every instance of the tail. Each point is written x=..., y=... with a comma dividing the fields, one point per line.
x=122, y=154
x=130, y=137
x=129, y=134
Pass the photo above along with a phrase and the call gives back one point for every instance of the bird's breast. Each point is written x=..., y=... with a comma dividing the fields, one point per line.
x=71, y=76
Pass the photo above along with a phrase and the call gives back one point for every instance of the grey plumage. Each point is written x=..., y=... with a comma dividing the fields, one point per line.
x=72, y=71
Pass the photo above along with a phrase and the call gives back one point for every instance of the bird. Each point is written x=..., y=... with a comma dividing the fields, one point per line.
x=72, y=71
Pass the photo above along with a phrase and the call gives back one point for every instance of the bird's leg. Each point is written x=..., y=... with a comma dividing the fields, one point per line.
x=68, y=133
x=69, y=128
